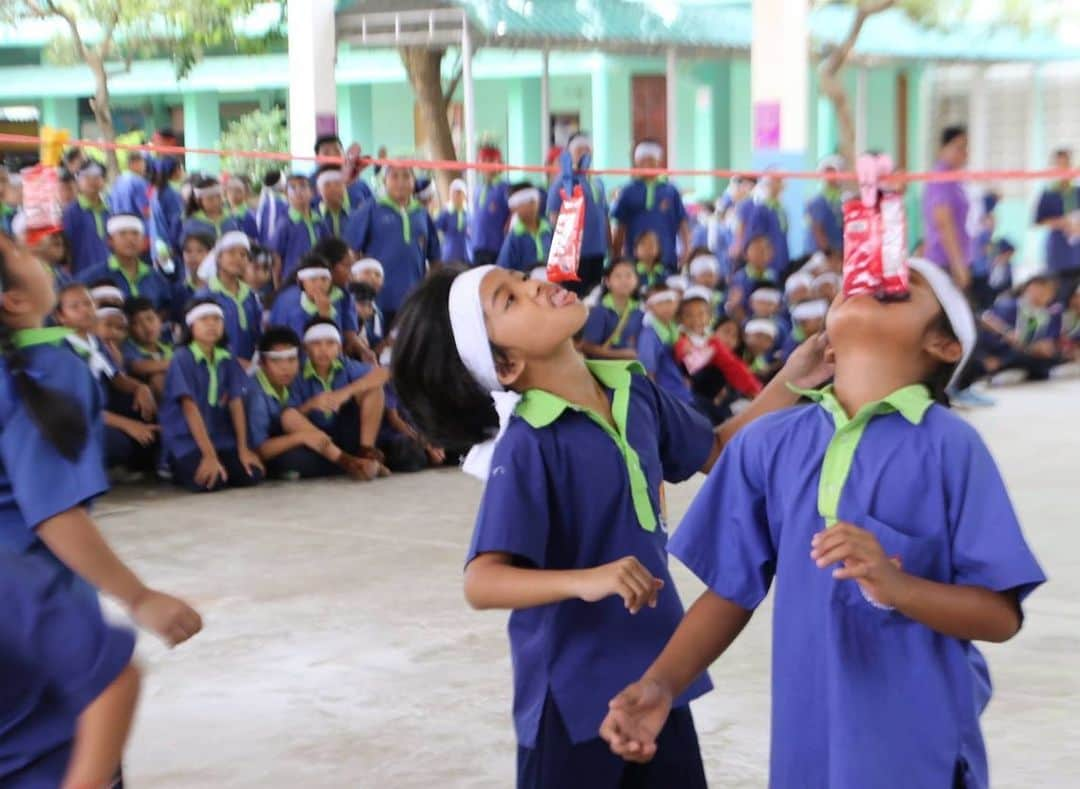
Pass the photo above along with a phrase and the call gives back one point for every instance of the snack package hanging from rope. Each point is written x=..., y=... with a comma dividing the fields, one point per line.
x=41, y=202
x=562, y=263
x=875, y=235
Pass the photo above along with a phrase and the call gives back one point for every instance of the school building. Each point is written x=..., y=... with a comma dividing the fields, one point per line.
x=537, y=70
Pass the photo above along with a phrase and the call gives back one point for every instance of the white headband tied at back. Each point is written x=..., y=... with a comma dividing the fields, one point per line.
x=107, y=293
x=208, y=191
x=322, y=331
x=367, y=264
x=523, y=196
x=122, y=222
x=473, y=346
x=203, y=311
x=648, y=150
x=329, y=177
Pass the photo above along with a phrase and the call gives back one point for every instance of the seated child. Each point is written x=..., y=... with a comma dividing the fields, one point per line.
x=298, y=231
x=760, y=336
x=203, y=424
x=705, y=272
x=612, y=330
x=369, y=316
x=656, y=343
x=287, y=442
x=312, y=294
x=826, y=285
x=766, y=303
x=756, y=271
x=1069, y=335
x=241, y=305
x=529, y=239
x=909, y=552
x=125, y=268
x=808, y=318
x=340, y=396
x=651, y=270
x=146, y=355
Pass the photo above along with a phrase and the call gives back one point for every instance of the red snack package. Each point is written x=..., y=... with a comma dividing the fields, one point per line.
x=894, y=268
x=862, y=249
x=41, y=202
x=562, y=264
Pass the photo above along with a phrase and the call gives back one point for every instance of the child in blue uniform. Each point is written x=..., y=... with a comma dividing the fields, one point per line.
x=596, y=235
x=146, y=355
x=756, y=271
x=581, y=453
x=367, y=281
x=656, y=344
x=650, y=268
x=453, y=225
x=130, y=193
x=287, y=442
x=395, y=230
x=334, y=205
x=612, y=330
x=761, y=338
x=490, y=214
x=770, y=217
x=205, y=211
x=167, y=207
x=651, y=203
x=529, y=240
x=84, y=220
x=825, y=213
x=203, y=426
x=298, y=232
x=894, y=547
x=241, y=305
x=271, y=208
x=125, y=269
x=312, y=294
x=330, y=145
x=808, y=318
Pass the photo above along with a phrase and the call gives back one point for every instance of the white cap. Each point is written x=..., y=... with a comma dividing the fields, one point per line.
x=366, y=264
x=798, y=280
x=458, y=185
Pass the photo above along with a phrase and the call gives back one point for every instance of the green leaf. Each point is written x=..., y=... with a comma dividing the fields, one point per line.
x=256, y=131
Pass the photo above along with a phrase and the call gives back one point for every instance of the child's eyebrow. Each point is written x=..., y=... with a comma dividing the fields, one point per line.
x=495, y=295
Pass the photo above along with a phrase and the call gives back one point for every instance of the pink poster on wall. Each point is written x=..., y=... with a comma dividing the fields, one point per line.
x=767, y=126
x=325, y=123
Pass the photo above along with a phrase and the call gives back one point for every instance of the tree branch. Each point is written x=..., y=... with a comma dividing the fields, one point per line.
x=865, y=9
x=455, y=80
x=59, y=11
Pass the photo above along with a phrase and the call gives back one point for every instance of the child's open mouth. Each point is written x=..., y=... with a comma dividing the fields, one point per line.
x=560, y=297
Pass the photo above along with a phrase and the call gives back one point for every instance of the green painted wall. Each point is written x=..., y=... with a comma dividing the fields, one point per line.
x=394, y=129
x=202, y=129
x=523, y=123
x=60, y=112
x=881, y=117
x=741, y=143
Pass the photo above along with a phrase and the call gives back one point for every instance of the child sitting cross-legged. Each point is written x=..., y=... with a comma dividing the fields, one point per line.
x=146, y=355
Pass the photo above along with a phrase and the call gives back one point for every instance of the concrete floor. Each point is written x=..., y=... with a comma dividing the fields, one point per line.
x=338, y=651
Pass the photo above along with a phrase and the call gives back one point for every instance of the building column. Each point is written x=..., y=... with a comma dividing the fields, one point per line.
x=611, y=108
x=354, y=116
x=524, y=145
x=202, y=129
x=61, y=112
x=312, y=57
x=671, y=121
x=979, y=121
x=545, y=106
x=860, y=119
x=1038, y=152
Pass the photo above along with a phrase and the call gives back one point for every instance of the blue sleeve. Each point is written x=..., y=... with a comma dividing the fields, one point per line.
x=988, y=547
x=258, y=417
x=70, y=220
x=177, y=380
x=679, y=208
x=442, y=221
x=649, y=350
x=686, y=437
x=357, y=227
x=817, y=209
x=359, y=192
x=514, y=517
x=507, y=258
x=296, y=396
x=434, y=247
x=1005, y=310
x=595, y=325
x=141, y=198
x=601, y=190
x=356, y=370
x=724, y=538
x=279, y=243
x=92, y=274
x=554, y=199
x=236, y=379
x=620, y=209
x=1049, y=207
x=349, y=320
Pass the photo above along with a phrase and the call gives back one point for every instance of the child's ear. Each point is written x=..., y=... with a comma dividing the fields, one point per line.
x=942, y=347
x=509, y=370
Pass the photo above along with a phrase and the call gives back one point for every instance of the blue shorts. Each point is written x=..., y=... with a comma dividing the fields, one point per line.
x=557, y=763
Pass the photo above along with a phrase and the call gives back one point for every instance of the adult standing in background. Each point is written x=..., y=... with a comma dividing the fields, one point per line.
x=945, y=210
x=490, y=214
x=1059, y=212
x=651, y=203
x=825, y=212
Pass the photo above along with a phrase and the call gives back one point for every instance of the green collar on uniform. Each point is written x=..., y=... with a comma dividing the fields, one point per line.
x=667, y=332
x=911, y=402
x=215, y=285
x=403, y=212
x=298, y=218
x=46, y=335
x=141, y=272
x=202, y=216
x=98, y=211
x=650, y=190
x=542, y=227
x=631, y=307
x=328, y=381
x=335, y=217
x=163, y=348
x=280, y=395
x=540, y=408
x=218, y=356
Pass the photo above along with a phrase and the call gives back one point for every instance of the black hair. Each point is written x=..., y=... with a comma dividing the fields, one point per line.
x=620, y=261
x=71, y=154
x=202, y=182
x=323, y=139
x=203, y=238
x=1062, y=152
x=519, y=186
x=164, y=171
x=272, y=178
x=938, y=380
x=76, y=285
x=57, y=415
x=311, y=260
x=362, y=292
x=137, y=304
x=332, y=249
x=66, y=176
x=276, y=336
x=297, y=178
x=260, y=255
x=187, y=338
x=438, y=392
x=950, y=133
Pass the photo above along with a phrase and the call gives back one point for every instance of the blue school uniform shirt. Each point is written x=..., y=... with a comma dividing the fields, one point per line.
x=489, y=216
x=747, y=280
x=651, y=205
x=85, y=228
x=201, y=224
x=243, y=316
x=333, y=222
x=57, y=654
x=130, y=194
x=772, y=219
x=655, y=349
x=605, y=323
x=374, y=327
x=590, y=495
x=294, y=238
x=594, y=237
x=825, y=209
x=861, y=696
x=308, y=384
x=522, y=250
x=147, y=283
x=266, y=228
x=1030, y=325
x=211, y=386
x=245, y=219
x=263, y=406
x=167, y=219
x=453, y=227
x=1061, y=255
x=404, y=240
x=292, y=308
x=133, y=352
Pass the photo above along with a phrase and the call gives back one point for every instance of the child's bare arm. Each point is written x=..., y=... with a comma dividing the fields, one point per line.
x=102, y=732
x=146, y=368
x=595, y=351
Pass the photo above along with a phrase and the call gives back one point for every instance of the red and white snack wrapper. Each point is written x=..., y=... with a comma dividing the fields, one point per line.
x=562, y=264
x=862, y=249
x=894, y=268
x=41, y=202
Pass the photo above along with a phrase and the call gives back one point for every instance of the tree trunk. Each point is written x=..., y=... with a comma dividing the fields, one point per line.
x=102, y=112
x=424, y=67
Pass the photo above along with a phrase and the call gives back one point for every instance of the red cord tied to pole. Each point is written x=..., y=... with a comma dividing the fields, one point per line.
x=562, y=264
x=875, y=234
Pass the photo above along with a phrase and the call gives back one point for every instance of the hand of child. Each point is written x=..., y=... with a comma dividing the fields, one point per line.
x=863, y=558
x=326, y=401
x=436, y=455
x=173, y=620
x=810, y=365
x=144, y=402
x=209, y=471
x=251, y=462
x=627, y=578
x=634, y=720
x=1043, y=349
x=140, y=432
x=380, y=376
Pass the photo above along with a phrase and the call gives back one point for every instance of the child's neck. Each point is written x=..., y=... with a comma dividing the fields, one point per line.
x=402, y=201
x=304, y=211
x=215, y=214
x=130, y=265
x=532, y=225
x=565, y=375
x=208, y=348
x=231, y=282
x=867, y=376
x=619, y=301
x=323, y=370
x=335, y=205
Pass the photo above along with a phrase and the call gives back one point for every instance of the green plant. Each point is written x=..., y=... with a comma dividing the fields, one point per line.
x=265, y=132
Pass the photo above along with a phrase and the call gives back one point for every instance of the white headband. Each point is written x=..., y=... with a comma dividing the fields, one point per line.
x=203, y=311
x=118, y=224
x=329, y=177
x=955, y=307
x=315, y=272
x=367, y=264
x=92, y=169
x=457, y=185
x=697, y=292
x=292, y=353
x=234, y=239
x=704, y=264
x=104, y=312
x=105, y=292
x=677, y=282
x=520, y=198
x=760, y=326
x=323, y=331
x=810, y=310
x=830, y=277
x=833, y=162
x=662, y=297
x=798, y=280
x=771, y=295
x=648, y=150
x=427, y=192
x=208, y=191
x=578, y=143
